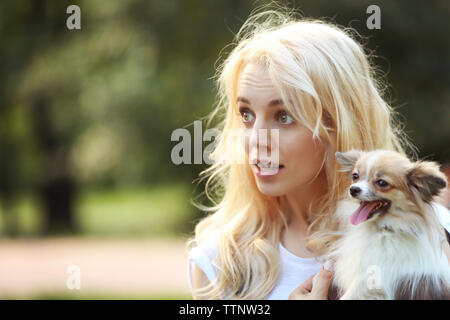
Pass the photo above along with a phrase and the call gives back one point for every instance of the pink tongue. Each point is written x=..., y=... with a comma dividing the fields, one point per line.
x=362, y=213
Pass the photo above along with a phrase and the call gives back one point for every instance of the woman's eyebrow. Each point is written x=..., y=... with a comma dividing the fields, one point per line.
x=272, y=103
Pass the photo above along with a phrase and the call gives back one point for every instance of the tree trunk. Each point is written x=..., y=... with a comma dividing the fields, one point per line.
x=56, y=186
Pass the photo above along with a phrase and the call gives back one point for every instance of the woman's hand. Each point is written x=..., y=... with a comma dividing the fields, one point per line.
x=306, y=291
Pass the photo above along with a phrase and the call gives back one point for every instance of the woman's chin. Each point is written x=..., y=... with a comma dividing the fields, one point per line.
x=270, y=190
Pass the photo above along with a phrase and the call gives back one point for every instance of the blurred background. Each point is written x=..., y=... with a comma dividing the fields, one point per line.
x=86, y=116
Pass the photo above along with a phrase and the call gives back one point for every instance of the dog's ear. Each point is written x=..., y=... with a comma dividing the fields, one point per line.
x=348, y=159
x=426, y=177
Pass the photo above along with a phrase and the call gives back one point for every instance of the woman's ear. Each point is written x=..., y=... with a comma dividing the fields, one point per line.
x=427, y=178
x=348, y=159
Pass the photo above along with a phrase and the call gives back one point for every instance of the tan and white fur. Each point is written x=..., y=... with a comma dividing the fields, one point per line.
x=396, y=252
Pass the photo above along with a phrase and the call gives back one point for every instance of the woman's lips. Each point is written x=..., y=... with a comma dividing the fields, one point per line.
x=267, y=172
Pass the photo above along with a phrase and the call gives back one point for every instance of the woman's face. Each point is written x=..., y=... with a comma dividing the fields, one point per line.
x=260, y=107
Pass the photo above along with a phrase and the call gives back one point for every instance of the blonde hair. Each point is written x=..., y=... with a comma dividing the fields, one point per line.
x=318, y=66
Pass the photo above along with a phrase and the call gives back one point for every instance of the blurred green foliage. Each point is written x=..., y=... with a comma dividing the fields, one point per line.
x=86, y=115
x=159, y=211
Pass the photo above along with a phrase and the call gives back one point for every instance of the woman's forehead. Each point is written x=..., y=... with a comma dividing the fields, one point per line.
x=255, y=71
x=255, y=79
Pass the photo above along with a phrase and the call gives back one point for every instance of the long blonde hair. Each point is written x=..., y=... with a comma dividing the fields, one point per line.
x=318, y=66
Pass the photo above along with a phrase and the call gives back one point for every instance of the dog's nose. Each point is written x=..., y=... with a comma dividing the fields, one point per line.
x=354, y=191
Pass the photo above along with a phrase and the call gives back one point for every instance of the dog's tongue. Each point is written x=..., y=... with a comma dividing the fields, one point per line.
x=362, y=213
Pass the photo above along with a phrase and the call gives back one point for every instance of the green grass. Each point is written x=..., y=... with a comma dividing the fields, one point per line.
x=26, y=214
x=159, y=211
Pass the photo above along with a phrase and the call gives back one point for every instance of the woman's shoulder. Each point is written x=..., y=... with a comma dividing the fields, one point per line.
x=209, y=247
x=203, y=255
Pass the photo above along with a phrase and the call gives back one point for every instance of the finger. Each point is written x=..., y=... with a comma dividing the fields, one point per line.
x=323, y=282
x=306, y=286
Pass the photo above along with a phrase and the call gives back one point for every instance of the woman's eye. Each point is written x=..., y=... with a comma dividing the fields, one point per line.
x=284, y=118
x=381, y=183
x=355, y=176
x=246, y=115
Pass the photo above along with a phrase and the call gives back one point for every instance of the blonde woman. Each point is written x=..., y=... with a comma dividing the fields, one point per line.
x=310, y=83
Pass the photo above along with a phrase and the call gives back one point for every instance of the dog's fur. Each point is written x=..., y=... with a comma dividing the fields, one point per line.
x=397, y=252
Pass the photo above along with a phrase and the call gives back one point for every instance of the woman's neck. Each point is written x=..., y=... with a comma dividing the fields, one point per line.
x=294, y=238
x=298, y=201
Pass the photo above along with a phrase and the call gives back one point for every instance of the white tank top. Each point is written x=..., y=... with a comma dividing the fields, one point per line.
x=295, y=270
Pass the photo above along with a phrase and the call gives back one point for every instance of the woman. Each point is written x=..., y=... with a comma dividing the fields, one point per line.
x=309, y=84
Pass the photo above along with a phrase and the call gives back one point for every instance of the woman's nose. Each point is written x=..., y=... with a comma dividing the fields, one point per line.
x=260, y=136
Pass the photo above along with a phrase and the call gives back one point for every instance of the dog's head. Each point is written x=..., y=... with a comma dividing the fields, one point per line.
x=388, y=185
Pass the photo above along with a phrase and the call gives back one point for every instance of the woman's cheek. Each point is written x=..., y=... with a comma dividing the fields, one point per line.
x=244, y=139
x=250, y=151
x=291, y=146
x=299, y=146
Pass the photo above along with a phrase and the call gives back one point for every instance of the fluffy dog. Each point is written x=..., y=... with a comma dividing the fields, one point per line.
x=391, y=246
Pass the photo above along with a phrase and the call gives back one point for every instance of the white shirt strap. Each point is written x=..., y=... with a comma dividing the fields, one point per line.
x=201, y=259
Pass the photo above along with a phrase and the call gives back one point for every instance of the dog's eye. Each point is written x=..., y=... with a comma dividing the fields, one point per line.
x=355, y=176
x=381, y=183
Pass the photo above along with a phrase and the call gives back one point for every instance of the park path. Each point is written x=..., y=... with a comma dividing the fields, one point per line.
x=112, y=266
